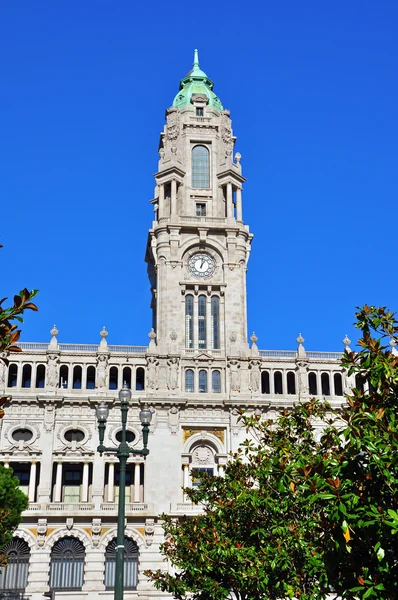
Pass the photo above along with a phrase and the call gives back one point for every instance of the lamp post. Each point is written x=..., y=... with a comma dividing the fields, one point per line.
x=122, y=452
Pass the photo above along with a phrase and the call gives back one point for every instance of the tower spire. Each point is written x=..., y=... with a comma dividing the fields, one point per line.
x=195, y=60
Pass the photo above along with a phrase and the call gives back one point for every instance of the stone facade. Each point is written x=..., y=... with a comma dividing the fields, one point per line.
x=196, y=372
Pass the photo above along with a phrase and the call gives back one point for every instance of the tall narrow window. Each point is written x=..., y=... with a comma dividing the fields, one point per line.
x=325, y=384
x=215, y=321
x=312, y=384
x=189, y=321
x=22, y=473
x=291, y=383
x=72, y=483
x=67, y=564
x=203, y=381
x=130, y=564
x=127, y=376
x=278, y=382
x=26, y=376
x=265, y=389
x=200, y=167
x=77, y=377
x=12, y=375
x=63, y=376
x=216, y=382
x=40, y=376
x=360, y=383
x=140, y=379
x=113, y=378
x=338, y=384
x=189, y=381
x=90, y=381
x=14, y=577
x=202, y=322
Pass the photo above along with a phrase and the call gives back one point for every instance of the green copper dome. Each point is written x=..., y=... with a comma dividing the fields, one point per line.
x=196, y=82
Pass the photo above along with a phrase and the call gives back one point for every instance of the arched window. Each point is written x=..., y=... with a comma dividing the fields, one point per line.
x=127, y=376
x=215, y=321
x=312, y=384
x=15, y=575
x=202, y=322
x=360, y=383
x=40, y=376
x=325, y=382
x=26, y=376
x=200, y=167
x=113, y=378
x=90, y=381
x=278, y=382
x=63, y=376
x=338, y=384
x=216, y=382
x=130, y=564
x=203, y=381
x=140, y=379
x=67, y=564
x=189, y=321
x=77, y=377
x=265, y=388
x=189, y=381
x=291, y=383
x=12, y=375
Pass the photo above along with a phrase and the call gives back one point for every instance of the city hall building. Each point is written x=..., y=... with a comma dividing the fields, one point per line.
x=196, y=373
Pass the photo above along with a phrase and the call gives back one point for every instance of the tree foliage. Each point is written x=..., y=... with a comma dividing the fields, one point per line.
x=12, y=503
x=308, y=505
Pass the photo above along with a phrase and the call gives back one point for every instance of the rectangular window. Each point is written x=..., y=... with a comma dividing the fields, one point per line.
x=129, y=481
x=72, y=483
x=196, y=472
x=23, y=475
x=199, y=112
x=201, y=210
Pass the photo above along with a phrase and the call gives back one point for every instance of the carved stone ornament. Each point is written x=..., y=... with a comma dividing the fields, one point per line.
x=102, y=375
x=152, y=373
x=52, y=370
x=233, y=337
x=226, y=135
x=49, y=417
x=69, y=523
x=41, y=532
x=96, y=532
x=234, y=375
x=254, y=368
x=149, y=531
x=172, y=373
x=202, y=455
x=173, y=420
x=173, y=126
x=173, y=336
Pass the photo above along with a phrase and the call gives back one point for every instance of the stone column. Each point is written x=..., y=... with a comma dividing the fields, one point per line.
x=230, y=212
x=186, y=480
x=58, y=483
x=32, y=482
x=137, y=481
x=209, y=337
x=221, y=470
x=161, y=200
x=173, y=200
x=195, y=324
x=84, y=494
x=332, y=390
x=239, y=205
x=271, y=382
x=318, y=383
x=111, y=482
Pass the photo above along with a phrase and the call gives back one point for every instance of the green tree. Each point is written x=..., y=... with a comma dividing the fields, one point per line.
x=300, y=514
x=12, y=503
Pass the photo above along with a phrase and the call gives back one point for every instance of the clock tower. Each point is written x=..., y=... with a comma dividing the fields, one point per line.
x=198, y=245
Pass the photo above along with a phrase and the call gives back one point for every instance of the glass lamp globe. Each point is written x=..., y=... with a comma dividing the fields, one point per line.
x=145, y=415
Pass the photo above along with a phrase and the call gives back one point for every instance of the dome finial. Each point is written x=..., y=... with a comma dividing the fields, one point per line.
x=195, y=59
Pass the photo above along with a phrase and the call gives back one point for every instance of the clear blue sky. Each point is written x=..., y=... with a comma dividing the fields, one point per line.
x=313, y=93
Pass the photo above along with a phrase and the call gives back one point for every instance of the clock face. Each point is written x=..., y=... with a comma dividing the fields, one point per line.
x=202, y=265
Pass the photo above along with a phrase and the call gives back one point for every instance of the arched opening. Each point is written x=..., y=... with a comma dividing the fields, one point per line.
x=140, y=379
x=338, y=384
x=216, y=382
x=202, y=322
x=325, y=382
x=291, y=383
x=312, y=384
x=40, y=376
x=360, y=383
x=200, y=167
x=14, y=577
x=203, y=381
x=215, y=321
x=127, y=376
x=77, y=377
x=12, y=375
x=189, y=321
x=67, y=564
x=113, y=378
x=63, y=376
x=26, y=376
x=90, y=381
x=130, y=564
x=278, y=387
x=189, y=381
x=265, y=388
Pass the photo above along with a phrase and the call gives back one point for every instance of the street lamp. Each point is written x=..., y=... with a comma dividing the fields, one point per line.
x=122, y=452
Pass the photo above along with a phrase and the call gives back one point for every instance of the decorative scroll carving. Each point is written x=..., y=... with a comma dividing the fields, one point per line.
x=149, y=531
x=96, y=532
x=41, y=532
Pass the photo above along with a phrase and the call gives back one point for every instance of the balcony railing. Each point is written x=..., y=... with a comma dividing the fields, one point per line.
x=84, y=348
